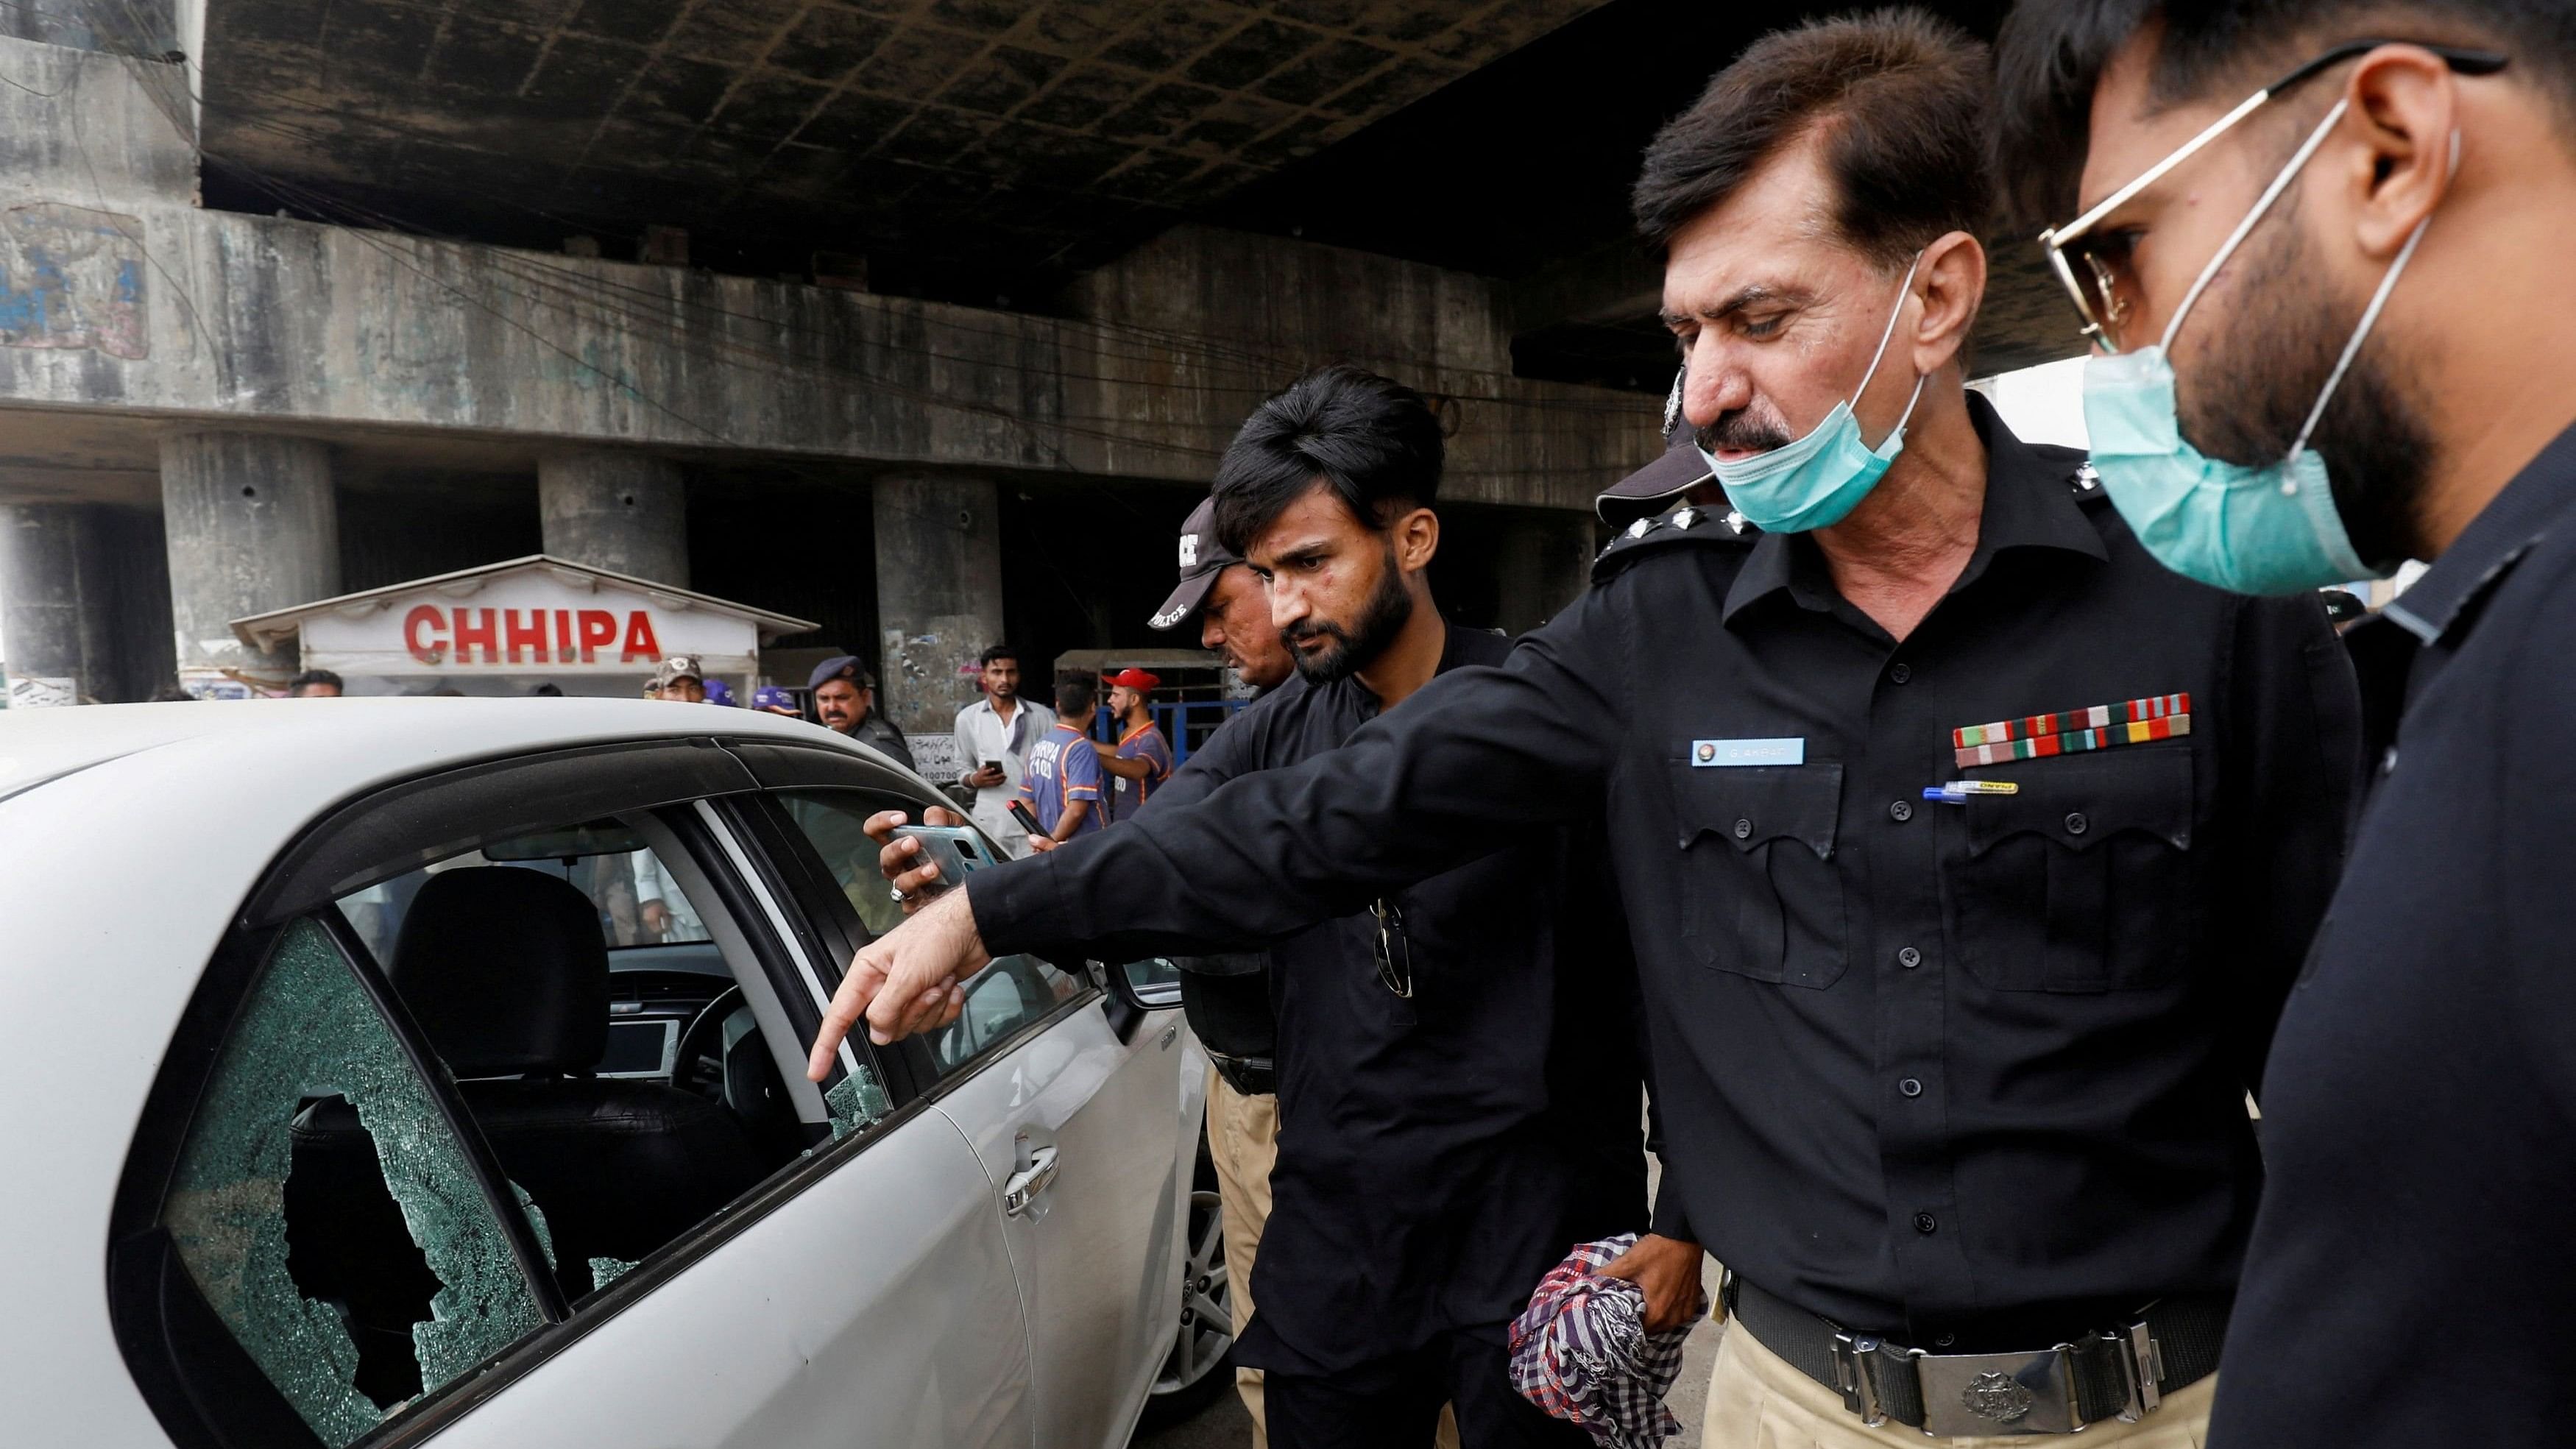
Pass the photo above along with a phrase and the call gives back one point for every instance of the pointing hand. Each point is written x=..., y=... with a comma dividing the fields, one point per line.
x=906, y=980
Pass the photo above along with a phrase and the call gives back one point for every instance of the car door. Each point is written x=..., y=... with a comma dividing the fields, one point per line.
x=878, y=1307
x=863, y=1293
x=1075, y=1127
x=1086, y=1133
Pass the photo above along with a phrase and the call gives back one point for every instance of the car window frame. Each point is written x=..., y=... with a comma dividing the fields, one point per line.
x=482, y=800
x=923, y=1068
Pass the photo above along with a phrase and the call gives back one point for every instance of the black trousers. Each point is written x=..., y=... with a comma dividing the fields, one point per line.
x=1394, y=1403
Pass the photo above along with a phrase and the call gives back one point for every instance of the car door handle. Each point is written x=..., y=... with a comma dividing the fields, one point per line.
x=1020, y=1191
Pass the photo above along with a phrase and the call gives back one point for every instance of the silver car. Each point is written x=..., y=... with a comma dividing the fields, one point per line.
x=378, y=1071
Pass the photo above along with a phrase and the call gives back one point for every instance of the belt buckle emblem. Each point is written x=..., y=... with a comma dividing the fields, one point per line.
x=1997, y=1396
x=1999, y=1393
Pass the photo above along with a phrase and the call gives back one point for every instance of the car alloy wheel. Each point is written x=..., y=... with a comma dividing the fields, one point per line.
x=1207, y=1306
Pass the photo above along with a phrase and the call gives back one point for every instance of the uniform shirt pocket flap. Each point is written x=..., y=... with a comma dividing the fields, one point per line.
x=2080, y=801
x=1750, y=806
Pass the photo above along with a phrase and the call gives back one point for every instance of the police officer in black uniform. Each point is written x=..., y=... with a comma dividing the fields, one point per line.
x=1968, y=853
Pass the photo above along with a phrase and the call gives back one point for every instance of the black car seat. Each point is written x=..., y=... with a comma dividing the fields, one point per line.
x=504, y=970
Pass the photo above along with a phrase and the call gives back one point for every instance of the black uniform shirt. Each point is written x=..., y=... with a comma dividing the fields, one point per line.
x=2414, y=1249
x=884, y=735
x=1436, y=1156
x=1972, y=1070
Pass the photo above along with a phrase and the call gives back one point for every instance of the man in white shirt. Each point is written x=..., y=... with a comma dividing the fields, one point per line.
x=665, y=913
x=994, y=736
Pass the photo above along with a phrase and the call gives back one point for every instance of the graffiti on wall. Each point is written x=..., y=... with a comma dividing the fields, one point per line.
x=73, y=278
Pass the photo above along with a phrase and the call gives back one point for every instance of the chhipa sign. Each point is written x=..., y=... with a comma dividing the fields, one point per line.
x=532, y=616
x=467, y=634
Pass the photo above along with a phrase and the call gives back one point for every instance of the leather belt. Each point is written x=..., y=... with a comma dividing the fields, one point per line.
x=1249, y=1076
x=2120, y=1373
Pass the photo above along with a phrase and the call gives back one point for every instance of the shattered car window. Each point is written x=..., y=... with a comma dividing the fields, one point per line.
x=858, y=1103
x=327, y=1212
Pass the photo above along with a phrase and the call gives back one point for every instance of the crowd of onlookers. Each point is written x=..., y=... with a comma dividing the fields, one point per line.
x=1011, y=749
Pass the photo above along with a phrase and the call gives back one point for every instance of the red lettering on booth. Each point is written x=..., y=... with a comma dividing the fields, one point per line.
x=531, y=634
x=423, y=616
x=484, y=631
x=563, y=636
x=598, y=626
x=640, y=643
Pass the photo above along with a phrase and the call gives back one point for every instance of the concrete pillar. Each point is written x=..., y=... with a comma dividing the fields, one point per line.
x=625, y=512
x=939, y=598
x=1543, y=564
x=41, y=618
x=128, y=648
x=252, y=526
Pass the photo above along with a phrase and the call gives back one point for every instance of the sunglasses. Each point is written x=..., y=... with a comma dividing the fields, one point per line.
x=1394, y=953
x=2094, y=267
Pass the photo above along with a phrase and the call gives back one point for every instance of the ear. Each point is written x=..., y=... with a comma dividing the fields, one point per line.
x=1951, y=280
x=2403, y=113
x=1416, y=537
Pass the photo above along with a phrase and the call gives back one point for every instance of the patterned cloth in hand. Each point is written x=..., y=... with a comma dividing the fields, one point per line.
x=1581, y=1351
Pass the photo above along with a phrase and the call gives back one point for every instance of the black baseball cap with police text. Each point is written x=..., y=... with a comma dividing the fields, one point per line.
x=1651, y=489
x=1202, y=559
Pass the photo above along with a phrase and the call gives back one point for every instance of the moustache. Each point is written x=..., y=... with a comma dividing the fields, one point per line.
x=1743, y=432
x=1306, y=629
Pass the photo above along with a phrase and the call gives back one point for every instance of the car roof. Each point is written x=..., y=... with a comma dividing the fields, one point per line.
x=37, y=746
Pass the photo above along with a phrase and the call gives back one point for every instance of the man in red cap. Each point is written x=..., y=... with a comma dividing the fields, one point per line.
x=1142, y=759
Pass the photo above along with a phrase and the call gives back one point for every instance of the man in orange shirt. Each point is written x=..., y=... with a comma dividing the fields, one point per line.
x=1142, y=759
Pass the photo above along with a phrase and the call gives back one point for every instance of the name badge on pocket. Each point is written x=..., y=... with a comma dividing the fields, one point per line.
x=1712, y=753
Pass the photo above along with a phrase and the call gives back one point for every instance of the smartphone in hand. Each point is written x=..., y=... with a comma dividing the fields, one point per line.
x=957, y=850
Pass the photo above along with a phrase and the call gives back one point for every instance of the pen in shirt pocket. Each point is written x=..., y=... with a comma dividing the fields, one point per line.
x=1958, y=792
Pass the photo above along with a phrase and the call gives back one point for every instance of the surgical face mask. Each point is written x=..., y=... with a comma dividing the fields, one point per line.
x=2271, y=529
x=1816, y=481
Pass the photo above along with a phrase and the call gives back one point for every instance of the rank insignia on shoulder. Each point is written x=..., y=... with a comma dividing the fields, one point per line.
x=2086, y=480
x=2099, y=727
x=1689, y=523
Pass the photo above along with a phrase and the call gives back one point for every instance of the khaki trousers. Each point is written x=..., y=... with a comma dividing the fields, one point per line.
x=1243, y=1142
x=1757, y=1401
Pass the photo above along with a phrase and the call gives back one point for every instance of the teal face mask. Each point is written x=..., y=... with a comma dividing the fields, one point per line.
x=1818, y=480
x=2260, y=530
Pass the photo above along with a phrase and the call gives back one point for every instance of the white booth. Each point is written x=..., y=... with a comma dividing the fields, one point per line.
x=507, y=628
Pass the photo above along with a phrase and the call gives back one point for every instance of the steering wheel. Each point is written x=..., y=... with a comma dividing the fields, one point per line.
x=703, y=1039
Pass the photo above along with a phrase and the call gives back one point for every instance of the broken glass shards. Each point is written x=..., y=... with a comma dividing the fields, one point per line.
x=536, y=1221
x=309, y=1034
x=859, y=1102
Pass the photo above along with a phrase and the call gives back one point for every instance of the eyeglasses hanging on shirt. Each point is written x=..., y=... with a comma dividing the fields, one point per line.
x=1394, y=953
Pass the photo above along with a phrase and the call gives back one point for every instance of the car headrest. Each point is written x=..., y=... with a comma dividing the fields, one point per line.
x=505, y=971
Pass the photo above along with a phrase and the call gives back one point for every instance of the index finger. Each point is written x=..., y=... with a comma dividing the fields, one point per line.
x=880, y=826
x=849, y=1005
x=939, y=815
